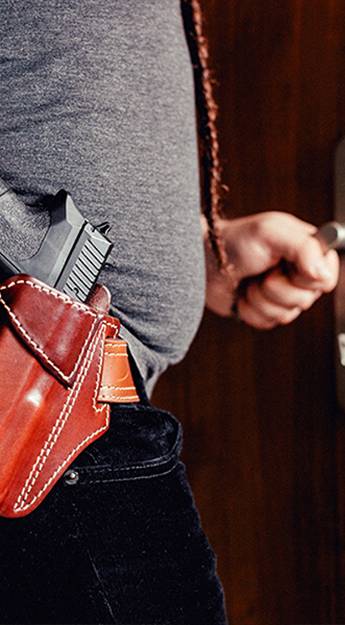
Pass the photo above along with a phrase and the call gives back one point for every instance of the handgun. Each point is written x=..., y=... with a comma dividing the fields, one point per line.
x=72, y=252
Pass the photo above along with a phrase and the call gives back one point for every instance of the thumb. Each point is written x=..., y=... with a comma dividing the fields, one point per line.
x=308, y=258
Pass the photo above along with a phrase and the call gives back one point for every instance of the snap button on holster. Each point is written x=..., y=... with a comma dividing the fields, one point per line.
x=71, y=477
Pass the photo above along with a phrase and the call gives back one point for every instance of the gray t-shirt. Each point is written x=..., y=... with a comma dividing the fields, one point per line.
x=97, y=98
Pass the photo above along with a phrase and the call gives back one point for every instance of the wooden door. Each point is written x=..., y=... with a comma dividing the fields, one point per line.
x=264, y=442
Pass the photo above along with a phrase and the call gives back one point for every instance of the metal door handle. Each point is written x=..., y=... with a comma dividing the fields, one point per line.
x=332, y=236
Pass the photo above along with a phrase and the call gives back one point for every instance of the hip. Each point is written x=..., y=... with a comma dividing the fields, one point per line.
x=118, y=540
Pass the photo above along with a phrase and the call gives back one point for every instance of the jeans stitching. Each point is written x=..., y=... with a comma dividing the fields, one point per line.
x=86, y=473
x=151, y=463
x=154, y=462
x=136, y=477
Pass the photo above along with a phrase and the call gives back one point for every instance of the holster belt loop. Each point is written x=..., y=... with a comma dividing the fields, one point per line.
x=117, y=383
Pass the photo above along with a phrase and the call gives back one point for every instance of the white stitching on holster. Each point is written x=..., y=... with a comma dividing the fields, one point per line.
x=60, y=422
x=63, y=464
x=32, y=342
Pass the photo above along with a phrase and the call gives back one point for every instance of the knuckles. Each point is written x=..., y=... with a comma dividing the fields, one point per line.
x=269, y=222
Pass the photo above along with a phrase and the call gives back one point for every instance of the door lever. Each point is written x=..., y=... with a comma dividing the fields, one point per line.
x=331, y=235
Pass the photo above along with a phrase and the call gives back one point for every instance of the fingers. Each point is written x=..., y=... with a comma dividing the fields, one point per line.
x=308, y=258
x=323, y=275
x=282, y=291
x=291, y=238
x=278, y=300
x=262, y=320
x=281, y=296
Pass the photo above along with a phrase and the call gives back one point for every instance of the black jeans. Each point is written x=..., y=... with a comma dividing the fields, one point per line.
x=118, y=540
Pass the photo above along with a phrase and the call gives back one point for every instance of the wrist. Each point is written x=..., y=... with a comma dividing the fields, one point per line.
x=221, y=284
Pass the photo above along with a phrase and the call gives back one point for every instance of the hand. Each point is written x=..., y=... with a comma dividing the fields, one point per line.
x=256, y=245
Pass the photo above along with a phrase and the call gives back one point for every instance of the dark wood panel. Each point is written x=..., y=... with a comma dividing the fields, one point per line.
x=263, y=444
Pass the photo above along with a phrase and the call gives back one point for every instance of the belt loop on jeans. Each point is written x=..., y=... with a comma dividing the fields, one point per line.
x=117, y=382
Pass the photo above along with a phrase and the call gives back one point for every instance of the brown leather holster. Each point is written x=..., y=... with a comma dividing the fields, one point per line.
x=61, y=365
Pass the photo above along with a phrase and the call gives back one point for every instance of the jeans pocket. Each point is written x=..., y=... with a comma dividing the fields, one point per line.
x=142, y=442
